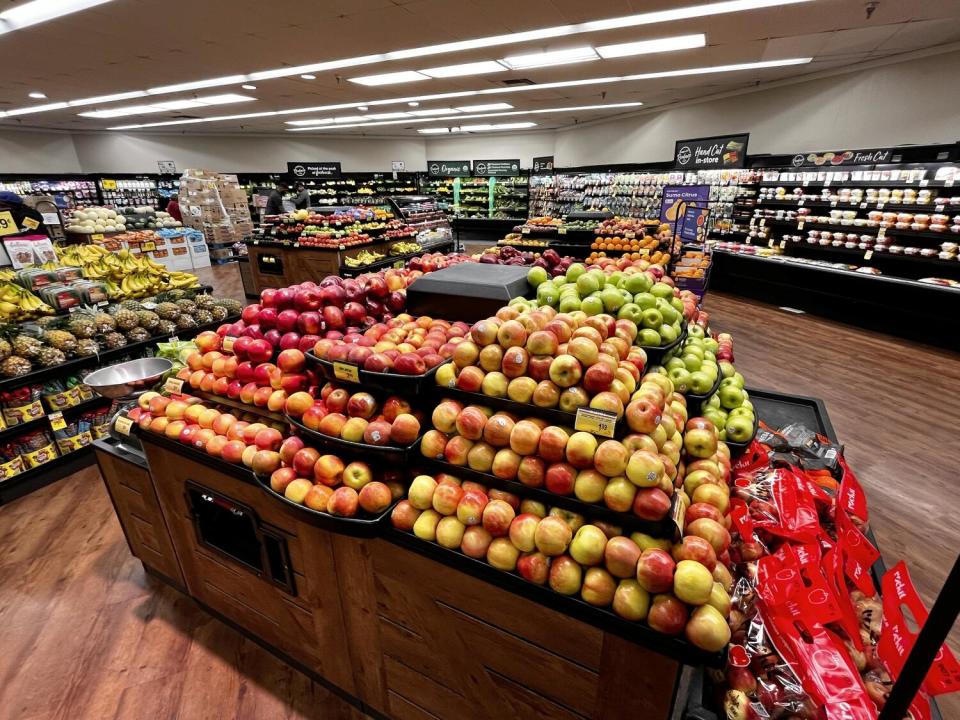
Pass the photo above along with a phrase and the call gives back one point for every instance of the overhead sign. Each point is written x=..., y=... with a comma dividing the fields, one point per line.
x=313, y=170
x=496, y=168
x=448, y=168
x=167, y=167
x=543, y=165
x=872, y=156
x=397, y=165
x=677, y=198
x=713, y=153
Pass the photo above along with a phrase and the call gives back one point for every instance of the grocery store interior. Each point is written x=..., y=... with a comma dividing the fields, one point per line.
x=425, y=360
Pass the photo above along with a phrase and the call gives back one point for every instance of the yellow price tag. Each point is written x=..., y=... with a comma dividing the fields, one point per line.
x=109, y=184
x=881, y=233
x=868, y=254
x=598, y=422
x=525, y=231
x=783, y=244
x=56, y=421
x=770, y=243
x=148, y=246
x=679, y=511
x=346, y=372
x=30, y=223
x=96, y=236
x=562, y=231
x=122, y=425
x=629, y=235
x=8, y=225
x=800, y=225
x=173, y=385
x=228, y=342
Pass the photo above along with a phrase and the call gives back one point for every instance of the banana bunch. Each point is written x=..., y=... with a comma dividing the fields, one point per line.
x=401, y=248
x=364, y=258
x=183, y=280
x=8, y=274
x=18, y=303
x=141, y=283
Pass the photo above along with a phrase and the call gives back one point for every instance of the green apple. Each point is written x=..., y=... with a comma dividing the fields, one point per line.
x=592, y=305
x=575, y=271
x=645, y=300
x=677, y=304
x=739, y=428
x=662, y=290
x=669, y=314
x=612, y=299
x=713, y=401
x=632, y=312
x=726, y=367
x=587, y=283
x=717, y=416
x=569, y=303
x=746, y=403
x=627, y=297
x=710, y=371
x=537, y=276
x=709, y=343
x=692, y=362
x=548, y=295
x=739, y=378
x=722, y=435
x=731, y=396
x=681, y=379
x=675, y=362
x=693, y=349
x=648, y=337
x=639, y=283
x=616, y=278
x=695, y=331
x=700, y=383
x=652, y=318
x=741, y=410
x=669, y=333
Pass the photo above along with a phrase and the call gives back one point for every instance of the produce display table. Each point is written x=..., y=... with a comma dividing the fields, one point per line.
x=400, y=627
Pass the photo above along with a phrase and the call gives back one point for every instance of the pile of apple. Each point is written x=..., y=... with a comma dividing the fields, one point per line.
x=730, y=409
x=549, y=359
x=644, y=297
x=675, y=589
x=357, y=418
x=402, y=345
x=693, y=366
x=219, y=434
x=325, y=484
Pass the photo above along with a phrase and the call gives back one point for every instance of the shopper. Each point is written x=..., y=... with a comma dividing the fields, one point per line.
x=173, y=208
x=274, y=204
x=302, y=200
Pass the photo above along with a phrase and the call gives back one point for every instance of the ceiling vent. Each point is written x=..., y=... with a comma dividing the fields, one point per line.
x=518, y=81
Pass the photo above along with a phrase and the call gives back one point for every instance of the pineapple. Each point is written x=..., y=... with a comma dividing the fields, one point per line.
x=61, y=340
x=26, y=346
x=15, y=366
x=51, y=356
x=203, y=316
x=175, y=295
x=82, y=325
x=131, y=305
x=185, y=322
x=113, y=340
x=5, y=349
x=87, y=347
x=219, y=312
x=233, y=307
x=49, y=321
x=148, y=319
x=105, y=323
x=187, y=306
x=168, y=311
x=125, y=319
x=166, y=327
x=205, y=301
x=137, y=334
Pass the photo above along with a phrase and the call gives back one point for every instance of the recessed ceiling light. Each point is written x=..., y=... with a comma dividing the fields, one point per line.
x=38, y=11
x=433, y=111
x=37, y=95
x=167, y=106
x=249, y=87
x=308, y=76
x=550, y=57
x=413, y=104
x=645, y=47
x=473, y=68
x=390, y=78
x=433, y=131
x=484, y=107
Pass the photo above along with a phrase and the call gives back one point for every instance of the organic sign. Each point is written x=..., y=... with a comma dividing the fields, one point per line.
x=872, y=156
x=496, y=168
x=543, y=165
x=725, y=151
x=448, y=168
x=313, y=170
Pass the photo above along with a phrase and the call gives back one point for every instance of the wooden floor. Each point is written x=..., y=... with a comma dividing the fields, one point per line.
x=84, y=634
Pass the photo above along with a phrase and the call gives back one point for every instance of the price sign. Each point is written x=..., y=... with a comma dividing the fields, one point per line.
x=800, y=225
x=749, y=241
x=881, y=233
x=783, y=244
x=763, y=221
x=30, y=223
x=806, y=182
x=770, y=243
x=122, y=425
x=56, y=421
x=678, y=512
x=598, y=422
x=173, y=339
x=525, y=231
x=173, y=385
x=833, y=203
x=109, y=184
x=562, y=231
x=868, y=254
x=346, y=372
x=8, y=225
x=879, y=206
x=149, y=246
x=939, y=208
x=96, y=236
x=297, y=244
x=801, y=202
x=228, y=342
x=629, y=235
x=924, y=183
x=862, y=205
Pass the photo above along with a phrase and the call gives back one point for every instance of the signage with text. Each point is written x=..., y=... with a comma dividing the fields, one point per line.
x=870, y=156
x=448, y=168
x=396, y=165
x=677, y=198
x=167, y=166
x=313, y=170
x=725, y=151
x=693, y=225
x=496, y=168
x=543, y=165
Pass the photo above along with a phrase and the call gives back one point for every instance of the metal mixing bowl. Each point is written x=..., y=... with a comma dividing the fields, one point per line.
x=129, y=378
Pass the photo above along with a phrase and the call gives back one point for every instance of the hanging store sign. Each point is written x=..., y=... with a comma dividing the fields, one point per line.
x=448, y=168
x=496, y=168
x=543, y=165
x=870, y=156
x=713, y=153
x=313, y=170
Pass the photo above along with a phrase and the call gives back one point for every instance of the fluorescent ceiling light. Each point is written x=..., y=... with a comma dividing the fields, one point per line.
x=38, y=11
x=249, y=87
x=608, y=80
x=387, y=116
x=550, y=57
x=37, y=95
x=484, y=108
x=390, y=78
x=432, y=111
x=352, y=119
x=167, y=106
x=198, y=85
x=473, y=68
x=433, y=131
x=496, y=126
x=34, y=109
x=645, y=47
x=108, y=98
x=308, y=76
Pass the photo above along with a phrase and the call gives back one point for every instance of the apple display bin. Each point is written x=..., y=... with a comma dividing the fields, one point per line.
x=673, y=647
x=367, y=526
x=468, y=291
x=386, y=453
x=695, y=402
x=656, y=353
x=520, y=409
x=393, y=383
x=665, y=528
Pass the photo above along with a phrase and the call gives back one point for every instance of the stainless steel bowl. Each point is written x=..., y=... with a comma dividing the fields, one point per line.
x=129, y=378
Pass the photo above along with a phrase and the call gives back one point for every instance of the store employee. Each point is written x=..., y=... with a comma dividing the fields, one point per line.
x=275, y=200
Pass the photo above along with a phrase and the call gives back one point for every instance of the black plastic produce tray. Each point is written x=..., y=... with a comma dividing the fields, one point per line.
x=778, y=410
x=665, y=528
x=394, y=383
x=695, y=402
x=655, y=354
x=364, y=525
x=385, y=453
x=738, y=448
x=572, y=606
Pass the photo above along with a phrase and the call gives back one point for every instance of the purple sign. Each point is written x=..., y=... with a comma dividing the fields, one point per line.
x=677, y=198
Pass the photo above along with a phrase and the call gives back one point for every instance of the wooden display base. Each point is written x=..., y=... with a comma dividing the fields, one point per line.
x=404, y=635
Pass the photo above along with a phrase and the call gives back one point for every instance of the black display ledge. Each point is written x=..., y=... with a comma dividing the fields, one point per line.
x=389, y=260
x=213, y=398
x=43, y=475
x=879, y=257
x=939, y=237
x=42, y=423
x=859, y=183
x=239, y=472
x=915, y=208
x=71, y=366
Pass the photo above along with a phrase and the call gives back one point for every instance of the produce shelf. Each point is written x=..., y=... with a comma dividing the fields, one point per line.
x=35, y=478
x=235, y=404
x=672, y=647
x=916, y=208
x=858, y=183
x=407, y=385
x=43, y=422
x=385, y=453
x=351, y=271
x=865, y=229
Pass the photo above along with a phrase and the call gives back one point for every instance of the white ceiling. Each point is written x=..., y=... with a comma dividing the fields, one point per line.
x=128, y=45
